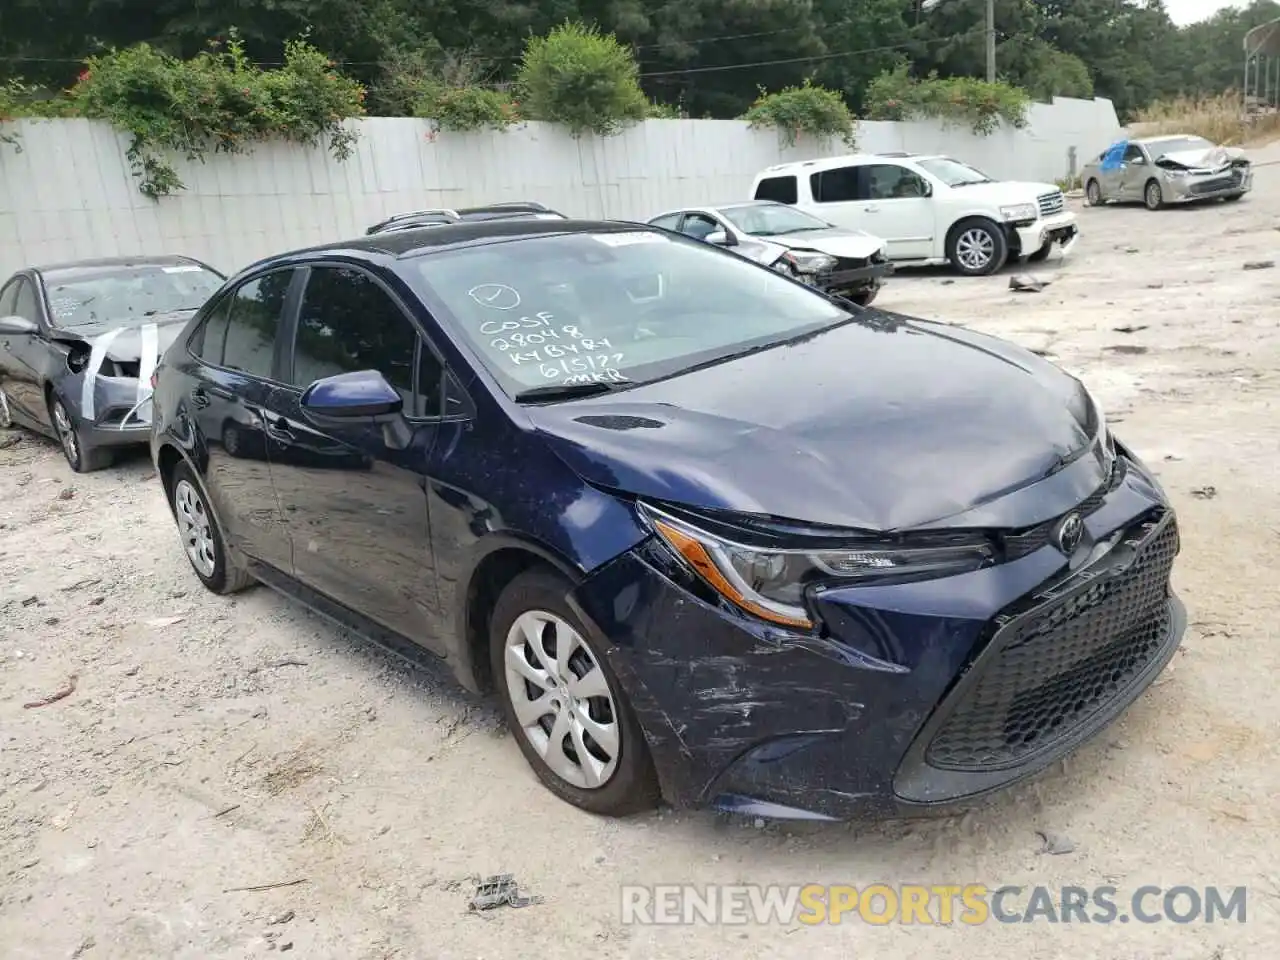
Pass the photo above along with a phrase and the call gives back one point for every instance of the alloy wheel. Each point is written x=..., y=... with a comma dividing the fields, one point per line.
x=66, y=431
x=975, y=248
x=562, y=700
x=1094, y=193
x=195, y=527
x=1155, y=196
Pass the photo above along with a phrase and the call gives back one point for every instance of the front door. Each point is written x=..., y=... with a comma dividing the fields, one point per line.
x=22, y=358
x=1135, y=171
x=357, y=506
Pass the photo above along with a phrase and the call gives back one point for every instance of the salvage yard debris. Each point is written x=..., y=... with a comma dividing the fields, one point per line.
x=62, y=694
x=500, y=891
x=1025, y=283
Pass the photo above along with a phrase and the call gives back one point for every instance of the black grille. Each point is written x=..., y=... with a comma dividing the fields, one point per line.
x=1214, y=185
x=1024, y=542
x=1054, y=672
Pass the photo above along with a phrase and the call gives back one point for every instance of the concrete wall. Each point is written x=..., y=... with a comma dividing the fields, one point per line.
x=69, y=193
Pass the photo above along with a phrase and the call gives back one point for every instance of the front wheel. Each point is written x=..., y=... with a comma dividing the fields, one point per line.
x=202, y=539
x=865, y=297
x=6, y=415
x=1232, y=197
x=1153, y=196
x=565, y=704
x=977, y=247
x=81, y=457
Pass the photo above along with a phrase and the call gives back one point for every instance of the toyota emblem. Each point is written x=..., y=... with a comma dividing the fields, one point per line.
x=1069, y=533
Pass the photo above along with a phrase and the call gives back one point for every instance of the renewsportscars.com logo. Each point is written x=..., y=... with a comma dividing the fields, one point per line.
x=922, y=904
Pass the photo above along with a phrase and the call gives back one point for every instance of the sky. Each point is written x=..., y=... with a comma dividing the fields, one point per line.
x=1183, y=12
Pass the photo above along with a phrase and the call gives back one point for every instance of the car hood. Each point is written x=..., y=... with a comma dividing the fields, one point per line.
x=1005, y=192
x=885, y=423
x=851, y=244
x=1215, y=158
x=127, y=344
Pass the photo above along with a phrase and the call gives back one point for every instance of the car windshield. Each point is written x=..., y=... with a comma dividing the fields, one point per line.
x=1179, y=145
x=767, y=220
x=613, y=309
x=127, y=296
x=952, y=172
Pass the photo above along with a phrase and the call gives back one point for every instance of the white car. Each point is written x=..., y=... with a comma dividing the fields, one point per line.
x=849, y=263
x=931, y=210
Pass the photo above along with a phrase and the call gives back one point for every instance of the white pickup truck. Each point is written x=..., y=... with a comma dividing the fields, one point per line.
x=930, y=210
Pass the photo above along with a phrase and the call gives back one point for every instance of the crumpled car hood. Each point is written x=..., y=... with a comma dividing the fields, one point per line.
x=838, y=243
x=883, y=424
x=1215, y=158
x=127, y=345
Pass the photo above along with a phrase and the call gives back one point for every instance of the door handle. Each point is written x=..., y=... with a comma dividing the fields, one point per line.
x=277, y=427
x=871, y=209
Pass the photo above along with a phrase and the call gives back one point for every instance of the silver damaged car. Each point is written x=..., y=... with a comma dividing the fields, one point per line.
x=1157, y=171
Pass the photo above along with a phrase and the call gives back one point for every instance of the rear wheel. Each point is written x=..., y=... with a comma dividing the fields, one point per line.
x=82, y=457
x=977, y=247
x=202, y=540
x=565, y=704
x=1093, y=193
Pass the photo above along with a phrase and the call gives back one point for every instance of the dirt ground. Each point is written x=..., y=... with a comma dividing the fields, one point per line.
x=213, y=744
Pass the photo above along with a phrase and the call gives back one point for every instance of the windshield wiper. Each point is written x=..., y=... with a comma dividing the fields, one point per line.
x=567, y=391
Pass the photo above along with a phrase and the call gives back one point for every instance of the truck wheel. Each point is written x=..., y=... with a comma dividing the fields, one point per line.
x=977, y=247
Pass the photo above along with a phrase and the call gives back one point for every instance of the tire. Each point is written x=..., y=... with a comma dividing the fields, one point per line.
x=1042, y=254
x=969, y=237
x=207, y=551
x=6, y=414
x=1152, y=195
x=618, y=778
x=81, y=457
x=1233, y=197
x=864, y=298
x=1093, y=193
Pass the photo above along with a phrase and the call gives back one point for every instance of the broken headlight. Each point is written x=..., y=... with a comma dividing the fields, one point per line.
x=805, y=261
x=771, y=582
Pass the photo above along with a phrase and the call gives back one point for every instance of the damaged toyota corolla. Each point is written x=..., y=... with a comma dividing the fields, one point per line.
x=710, y=534
x=80, y=341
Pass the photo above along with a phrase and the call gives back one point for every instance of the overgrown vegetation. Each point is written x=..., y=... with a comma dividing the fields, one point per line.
x=979, y=105
x=581, y=78
x=464, y=109
x=1220, y=119
x=216, y=100
x=19, y=101
x=804, y=110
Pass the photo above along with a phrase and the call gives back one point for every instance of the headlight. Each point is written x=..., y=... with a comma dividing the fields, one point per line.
x=1020, y=211
x=1175, y=174
x=771, y=582
x=808, y=262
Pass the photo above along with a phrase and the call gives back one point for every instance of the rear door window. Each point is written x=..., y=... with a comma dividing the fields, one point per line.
x=835, y=186
x=779, y=189
x=211, y=338
x=255, y=314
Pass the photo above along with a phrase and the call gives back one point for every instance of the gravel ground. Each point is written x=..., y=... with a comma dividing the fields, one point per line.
x=213, y=744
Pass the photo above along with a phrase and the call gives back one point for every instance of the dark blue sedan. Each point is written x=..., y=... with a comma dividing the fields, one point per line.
x=710, y=535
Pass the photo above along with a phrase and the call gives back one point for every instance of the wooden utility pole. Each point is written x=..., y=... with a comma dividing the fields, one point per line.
x=991, y=41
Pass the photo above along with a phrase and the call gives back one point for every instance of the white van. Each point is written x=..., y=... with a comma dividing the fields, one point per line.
x=930, y=209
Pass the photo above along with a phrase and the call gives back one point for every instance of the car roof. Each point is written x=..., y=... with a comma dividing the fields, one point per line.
x=405, y=244
x=831, y=163
x=106, y=263
x=1170, y=136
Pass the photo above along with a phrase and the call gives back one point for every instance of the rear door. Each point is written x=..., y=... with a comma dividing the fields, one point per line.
x=357, y=507
x=234, y=361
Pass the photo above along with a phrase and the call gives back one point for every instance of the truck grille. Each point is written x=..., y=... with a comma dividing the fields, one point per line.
x=1055, y=671
x=1051, y=203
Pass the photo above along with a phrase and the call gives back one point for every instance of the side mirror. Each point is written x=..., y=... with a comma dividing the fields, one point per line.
x=17, y=327
x=928, y=189
x=721, y=238
x=360, y=395
x=351, y=396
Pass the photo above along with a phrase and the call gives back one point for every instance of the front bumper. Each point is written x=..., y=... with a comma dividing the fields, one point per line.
x=1060, y=229
x=117, y=414
x=920, y=697
x=853, y=279
x=1208, y=186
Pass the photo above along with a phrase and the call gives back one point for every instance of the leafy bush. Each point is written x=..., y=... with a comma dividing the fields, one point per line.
x=982, y=106
x=583, y=79
x=1220, y=119
x=806, y=109
x=466, y=108
x=217, y=99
